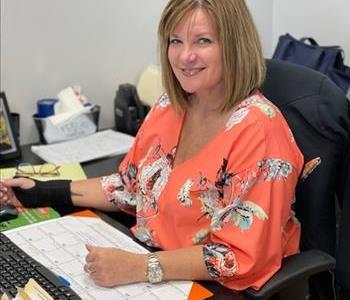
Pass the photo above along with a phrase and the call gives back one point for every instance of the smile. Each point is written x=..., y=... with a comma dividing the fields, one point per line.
x=192, y=71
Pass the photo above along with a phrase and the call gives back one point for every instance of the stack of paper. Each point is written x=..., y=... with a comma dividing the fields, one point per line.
x=97, y=145
x=31, y=291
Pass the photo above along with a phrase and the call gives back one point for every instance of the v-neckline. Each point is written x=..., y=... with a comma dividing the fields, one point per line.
x=202, y=149
x=218, y=134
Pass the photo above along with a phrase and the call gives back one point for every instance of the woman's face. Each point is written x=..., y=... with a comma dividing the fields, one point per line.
x=195, y=55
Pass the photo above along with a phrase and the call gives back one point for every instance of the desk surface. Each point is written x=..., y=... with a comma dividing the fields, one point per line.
x=106, y=166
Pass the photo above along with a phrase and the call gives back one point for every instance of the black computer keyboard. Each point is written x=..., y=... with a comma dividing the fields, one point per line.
x=17, y=267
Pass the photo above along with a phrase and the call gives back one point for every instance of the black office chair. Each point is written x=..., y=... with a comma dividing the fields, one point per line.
x=319, y=116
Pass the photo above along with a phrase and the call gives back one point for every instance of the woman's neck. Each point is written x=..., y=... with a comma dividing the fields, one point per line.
x=205, y=105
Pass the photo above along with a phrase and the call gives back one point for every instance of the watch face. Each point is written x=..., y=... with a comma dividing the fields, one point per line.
x=154, y=269
x=155, y=274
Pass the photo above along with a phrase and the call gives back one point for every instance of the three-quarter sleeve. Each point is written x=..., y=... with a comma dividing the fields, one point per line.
x=120, y=188
x=252, y=225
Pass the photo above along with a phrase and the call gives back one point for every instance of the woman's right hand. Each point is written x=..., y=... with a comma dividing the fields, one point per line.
x=7, y=196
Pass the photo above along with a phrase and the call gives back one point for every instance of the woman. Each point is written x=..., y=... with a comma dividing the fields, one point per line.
x=211, y=175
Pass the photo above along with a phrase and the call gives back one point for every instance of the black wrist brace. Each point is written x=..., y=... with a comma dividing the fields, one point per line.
x=45, y=193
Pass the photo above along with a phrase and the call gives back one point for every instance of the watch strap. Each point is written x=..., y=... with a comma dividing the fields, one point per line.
x=154, y=269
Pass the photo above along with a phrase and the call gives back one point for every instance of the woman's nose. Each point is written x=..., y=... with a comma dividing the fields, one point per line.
x=188, y=55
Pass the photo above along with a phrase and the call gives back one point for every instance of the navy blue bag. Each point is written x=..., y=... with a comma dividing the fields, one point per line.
x=325, y=59
x=340, y=75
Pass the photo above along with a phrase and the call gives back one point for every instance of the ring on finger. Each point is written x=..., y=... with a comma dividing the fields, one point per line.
x=89, y=270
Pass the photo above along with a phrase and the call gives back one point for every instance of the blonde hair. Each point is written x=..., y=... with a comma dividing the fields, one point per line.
x=243, y=62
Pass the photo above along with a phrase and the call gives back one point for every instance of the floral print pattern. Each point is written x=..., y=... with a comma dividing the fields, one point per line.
x=237, y=117
x=152, y=179
x=164, y=101
x=266, y=106
x=243, y=110
x=143, y=233
x=309, y=167
x=184, y=193
x=266, y=109
x=274, y=168
x=220, y=202
x=118, y=188
x=200, y=236
x=220, y=261
x=242, y=215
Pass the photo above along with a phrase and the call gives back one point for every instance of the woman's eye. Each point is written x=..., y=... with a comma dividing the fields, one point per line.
x=204, y=41
x=175, y=41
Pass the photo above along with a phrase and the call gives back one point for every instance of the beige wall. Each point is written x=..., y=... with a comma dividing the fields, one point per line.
x=47, y=45
x=328, y=21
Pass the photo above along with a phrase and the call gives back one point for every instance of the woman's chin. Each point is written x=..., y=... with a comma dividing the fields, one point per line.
x=188, y=89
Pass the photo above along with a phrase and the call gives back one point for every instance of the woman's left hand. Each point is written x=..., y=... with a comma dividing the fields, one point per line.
x=109, y=267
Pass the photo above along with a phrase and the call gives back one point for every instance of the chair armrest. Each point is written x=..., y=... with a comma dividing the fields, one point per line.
x=294, y=268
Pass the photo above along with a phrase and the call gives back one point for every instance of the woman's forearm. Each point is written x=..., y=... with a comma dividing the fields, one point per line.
x=184, y=264
x=89, y=193
x=110, y=267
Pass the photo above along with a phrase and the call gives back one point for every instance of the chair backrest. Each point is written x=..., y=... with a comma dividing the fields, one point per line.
x=318, y=114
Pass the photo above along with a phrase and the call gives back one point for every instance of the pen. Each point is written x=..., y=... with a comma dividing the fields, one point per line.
x=63, y=280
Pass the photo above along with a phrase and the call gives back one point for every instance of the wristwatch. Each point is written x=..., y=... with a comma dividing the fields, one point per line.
x=154, y=269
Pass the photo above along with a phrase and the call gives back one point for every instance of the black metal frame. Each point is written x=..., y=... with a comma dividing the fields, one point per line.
x=9, y=144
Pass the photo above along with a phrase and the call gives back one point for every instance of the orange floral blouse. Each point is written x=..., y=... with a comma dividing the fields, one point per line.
x=234, y=196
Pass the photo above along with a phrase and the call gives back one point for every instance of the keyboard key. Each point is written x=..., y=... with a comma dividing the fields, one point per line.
x=17, y=268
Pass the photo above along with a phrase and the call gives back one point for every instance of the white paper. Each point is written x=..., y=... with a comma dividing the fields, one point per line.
x=68, y=101
x=98, y=145
x=68, y=115
x=59, y=244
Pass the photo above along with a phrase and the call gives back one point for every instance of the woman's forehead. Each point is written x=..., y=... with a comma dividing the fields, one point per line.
x=196, y=21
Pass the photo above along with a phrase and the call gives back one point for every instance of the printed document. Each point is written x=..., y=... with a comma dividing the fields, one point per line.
x=59, y=244
x=97, y=145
